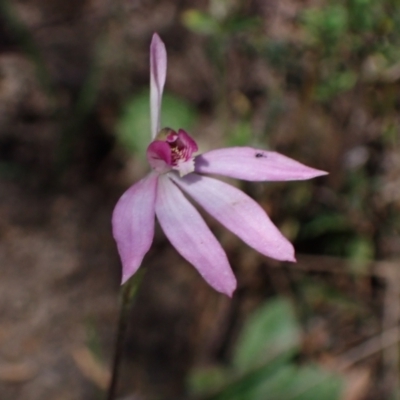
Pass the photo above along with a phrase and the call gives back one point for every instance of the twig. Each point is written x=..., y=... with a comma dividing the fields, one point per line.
x=337, y=265
x=368, y=348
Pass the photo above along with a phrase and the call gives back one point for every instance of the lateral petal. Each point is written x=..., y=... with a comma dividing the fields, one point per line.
x=239, y=213
x=189, y=234
x=252, y=164
x=158, y=73
x=133, y=223
x=159, y=156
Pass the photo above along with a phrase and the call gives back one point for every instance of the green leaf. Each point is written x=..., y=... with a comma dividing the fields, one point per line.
x=364, y=14
x=243, y=387
x=200, y=22
x=270, y=332
x=204, y=380
x=133, y=127
x=360, y=251
x=327, y=25
x=242, y=24
x=335, y=84
x=241, y=134
x=325, y=223
x=304, y=383
x=280, y=381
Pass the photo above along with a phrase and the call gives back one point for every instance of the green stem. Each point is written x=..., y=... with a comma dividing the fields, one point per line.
x=129, y=292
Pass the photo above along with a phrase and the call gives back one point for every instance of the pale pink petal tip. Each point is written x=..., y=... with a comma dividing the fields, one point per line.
x=125, y=278
x=319, y=172
x=291, y=259
x=230, y=291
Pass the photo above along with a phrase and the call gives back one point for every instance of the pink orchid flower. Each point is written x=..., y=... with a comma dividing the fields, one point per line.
x=176, y=172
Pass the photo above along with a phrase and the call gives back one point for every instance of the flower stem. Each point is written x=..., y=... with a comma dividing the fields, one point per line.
x=128, y=295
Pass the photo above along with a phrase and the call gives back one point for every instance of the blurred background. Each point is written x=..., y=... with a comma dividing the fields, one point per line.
x=317, y=80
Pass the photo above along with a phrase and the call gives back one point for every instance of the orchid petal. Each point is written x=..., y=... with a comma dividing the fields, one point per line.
x=187, y=143
x=159, y=156
x=158, y=72
x=133, y=223
x=189, y=234
x=253, y=165
x=239, y=213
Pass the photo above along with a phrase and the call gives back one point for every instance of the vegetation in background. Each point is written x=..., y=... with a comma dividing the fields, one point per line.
x=263, y=364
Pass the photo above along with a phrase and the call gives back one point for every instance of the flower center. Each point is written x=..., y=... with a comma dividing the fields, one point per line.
x=172, y=150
